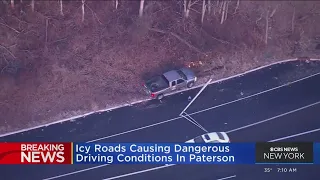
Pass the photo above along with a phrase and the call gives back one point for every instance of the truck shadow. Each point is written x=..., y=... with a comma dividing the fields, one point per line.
x=154, y=103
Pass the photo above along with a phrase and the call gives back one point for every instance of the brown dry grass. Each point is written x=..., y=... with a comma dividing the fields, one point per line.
x=89, y=65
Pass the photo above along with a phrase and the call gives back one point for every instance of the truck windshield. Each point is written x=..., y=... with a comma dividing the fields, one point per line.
x=165, y=80
x=182, y=74
x=220, y=135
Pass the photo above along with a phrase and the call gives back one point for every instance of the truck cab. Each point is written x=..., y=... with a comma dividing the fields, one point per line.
x=170, y=81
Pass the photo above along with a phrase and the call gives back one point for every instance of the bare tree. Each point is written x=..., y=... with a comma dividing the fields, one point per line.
x=223, y=12
x=32, y=5
x=187, y=7
x=82, y=8
x=226, y=10
x=238, y=3
x=268, y=25
x=61, y=7
x=209, y=6
x=117, y=4
x=185, y=4
x=141, y=8
x=267, y=28
x=203, y=10
x=223, y=7
x=47, y=23
x=292, y=19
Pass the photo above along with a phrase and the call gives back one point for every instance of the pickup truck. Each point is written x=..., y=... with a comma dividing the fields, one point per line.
x=170, y=81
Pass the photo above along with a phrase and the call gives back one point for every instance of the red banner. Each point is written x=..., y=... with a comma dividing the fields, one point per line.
x=35, y=153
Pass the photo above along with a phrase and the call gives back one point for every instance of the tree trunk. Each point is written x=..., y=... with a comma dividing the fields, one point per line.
x=117, y=3
x=82, y=7
x=203, y=10
x=141, y=8
x=32, y=5
x=61, y=7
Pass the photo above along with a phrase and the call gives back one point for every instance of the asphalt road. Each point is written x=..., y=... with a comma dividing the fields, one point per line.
x=260, y=106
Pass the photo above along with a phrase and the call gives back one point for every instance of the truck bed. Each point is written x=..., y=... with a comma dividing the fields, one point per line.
x=157, y=83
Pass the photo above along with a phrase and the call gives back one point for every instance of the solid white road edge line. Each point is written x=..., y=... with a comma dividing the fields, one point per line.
x=139, y=101
x=161, y=167
x=207, y=109
x=133, y=130
x=257, y=94
x=295, y=135
x=272, y=118
x=229, y=177
x=87, y=169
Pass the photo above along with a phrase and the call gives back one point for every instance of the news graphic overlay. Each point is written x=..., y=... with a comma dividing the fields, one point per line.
x=35, y=153
x=159, y=153
x=284, y=152
x=150, y=153
x=316, y=151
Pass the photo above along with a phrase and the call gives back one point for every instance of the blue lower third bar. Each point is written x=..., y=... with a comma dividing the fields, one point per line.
x=316, y=153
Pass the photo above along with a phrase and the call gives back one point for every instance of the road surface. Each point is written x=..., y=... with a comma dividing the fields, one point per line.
x=274, y=103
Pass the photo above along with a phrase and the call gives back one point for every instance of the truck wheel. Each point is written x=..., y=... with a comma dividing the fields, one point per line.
x=160, y=96
x=190, y=84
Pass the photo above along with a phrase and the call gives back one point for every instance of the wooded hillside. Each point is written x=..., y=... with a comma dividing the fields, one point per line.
x=62, y=58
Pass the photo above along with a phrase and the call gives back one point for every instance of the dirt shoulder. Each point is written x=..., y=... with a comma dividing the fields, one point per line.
x=55, y=66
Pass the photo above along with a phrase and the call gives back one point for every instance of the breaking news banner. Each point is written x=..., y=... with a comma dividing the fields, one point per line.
x=285, y=152
x=35, y=153
x=158, y=153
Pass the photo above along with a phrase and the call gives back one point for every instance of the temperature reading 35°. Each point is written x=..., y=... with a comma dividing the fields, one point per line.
x=267, y=170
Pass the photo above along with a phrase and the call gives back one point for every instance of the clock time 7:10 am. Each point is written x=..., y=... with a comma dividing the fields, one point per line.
x=281, y=170
x=287, y=170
